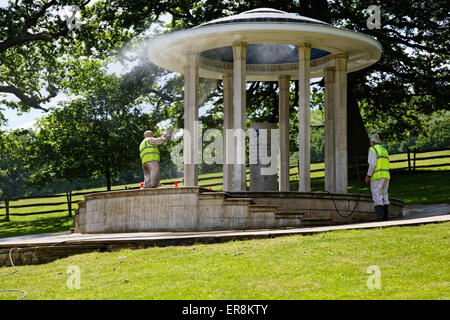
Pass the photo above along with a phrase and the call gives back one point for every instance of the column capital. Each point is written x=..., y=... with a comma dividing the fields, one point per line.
x=328, y=74
x=304, y=54
x=304, y=45
x=340, y=62
x=284, y=76
x=192, y=59
x=192, y=52
x=227, y=80
x=283, y=81
x=239, y=43
x=341, y=56
x=240, y=50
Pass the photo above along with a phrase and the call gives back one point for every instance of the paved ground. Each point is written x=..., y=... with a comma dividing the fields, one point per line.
x=414, y=215
x=425, y=210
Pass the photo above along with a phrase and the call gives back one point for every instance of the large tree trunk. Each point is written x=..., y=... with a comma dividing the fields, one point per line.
x=357, y=139
x=108, y=178
x=107, y=162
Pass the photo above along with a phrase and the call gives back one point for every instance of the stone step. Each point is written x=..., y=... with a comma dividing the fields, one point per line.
x=289, y=214
x=212, y=195
x=316, y=221
x=262, y=208
x=238, y=201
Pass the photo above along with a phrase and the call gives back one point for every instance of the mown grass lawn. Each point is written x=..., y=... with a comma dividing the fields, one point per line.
x=413, y=261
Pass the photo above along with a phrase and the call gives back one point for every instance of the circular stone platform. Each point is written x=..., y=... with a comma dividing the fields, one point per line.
x=198, y=209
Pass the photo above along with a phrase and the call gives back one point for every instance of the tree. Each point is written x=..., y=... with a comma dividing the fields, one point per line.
x=436, y=135
x=96, y=134
x=412, y=76
x=13, y=175
x=34, y=42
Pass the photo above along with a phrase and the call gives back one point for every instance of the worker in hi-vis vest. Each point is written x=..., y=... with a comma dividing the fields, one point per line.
x=150, y=158
x=378, y=175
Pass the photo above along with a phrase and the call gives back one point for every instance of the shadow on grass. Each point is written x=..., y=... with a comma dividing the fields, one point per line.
x=34, y=226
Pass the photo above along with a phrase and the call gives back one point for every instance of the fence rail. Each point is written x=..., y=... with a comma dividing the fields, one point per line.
x=411, y=159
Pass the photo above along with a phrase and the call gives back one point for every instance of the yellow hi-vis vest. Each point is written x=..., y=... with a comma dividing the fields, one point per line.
x=149, y=152
x=382, y=168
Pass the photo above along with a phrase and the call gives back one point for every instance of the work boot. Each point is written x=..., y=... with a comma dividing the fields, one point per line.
x=379, y=213
x=386, y=212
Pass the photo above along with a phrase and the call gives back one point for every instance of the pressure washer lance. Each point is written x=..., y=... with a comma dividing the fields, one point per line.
x=353, y=211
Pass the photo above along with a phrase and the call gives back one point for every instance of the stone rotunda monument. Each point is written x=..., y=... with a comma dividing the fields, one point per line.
x=257, y=45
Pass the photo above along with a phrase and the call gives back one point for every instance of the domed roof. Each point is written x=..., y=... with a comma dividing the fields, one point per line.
x=264, y=15
x=272, y=37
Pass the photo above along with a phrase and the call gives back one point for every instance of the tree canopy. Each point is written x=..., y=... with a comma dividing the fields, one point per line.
x=97, y=134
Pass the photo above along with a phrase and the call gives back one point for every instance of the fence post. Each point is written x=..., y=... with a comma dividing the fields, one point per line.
x=414, y=170
x=7, y=209
x=69, y=202
x=409, y=162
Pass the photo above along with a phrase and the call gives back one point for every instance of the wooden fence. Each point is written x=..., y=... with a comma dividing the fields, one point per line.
x=410, y=161
x=357, y=164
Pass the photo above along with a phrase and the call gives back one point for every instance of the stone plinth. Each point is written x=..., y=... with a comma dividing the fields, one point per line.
x=198, y=209
x=259, y=179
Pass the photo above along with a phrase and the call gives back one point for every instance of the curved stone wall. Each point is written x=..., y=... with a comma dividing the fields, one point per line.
x=198, y=209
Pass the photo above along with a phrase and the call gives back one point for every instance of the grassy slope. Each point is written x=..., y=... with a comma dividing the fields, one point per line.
x=413, y=262
x=431, y=186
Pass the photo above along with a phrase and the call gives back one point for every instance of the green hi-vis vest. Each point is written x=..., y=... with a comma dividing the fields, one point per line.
x=382, y=167
x=149, y=152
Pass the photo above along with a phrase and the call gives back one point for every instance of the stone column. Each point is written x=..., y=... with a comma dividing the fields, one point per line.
x=304, y=52
x=191, y=79
x=228, y=120
x=330, y=105
x=340, y=117
x=239, y=104
x=283, y=117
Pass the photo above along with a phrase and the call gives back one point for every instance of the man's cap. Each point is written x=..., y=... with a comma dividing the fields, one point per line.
x=147, y=133
x=375, y=139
